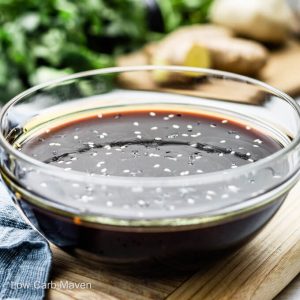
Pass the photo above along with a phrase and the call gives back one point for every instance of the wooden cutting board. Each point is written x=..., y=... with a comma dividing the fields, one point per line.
x=258, y=270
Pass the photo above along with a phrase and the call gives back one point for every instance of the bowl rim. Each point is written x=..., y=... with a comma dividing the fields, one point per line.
x=171, y=181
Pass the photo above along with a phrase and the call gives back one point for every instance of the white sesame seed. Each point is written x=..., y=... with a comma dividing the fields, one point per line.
x=171, y=116
x=184, y=173
x=154, y=155
x=126, y=171
x=158, y=139
x=185, y=134
x=213, y=125
x=233, y=188
x=222, y=141
x=100, y=163
x=99, y=116
x=175, y=126
x=237, y=136
x=103, y=170
x=109, y=203
x=190, y=201
x=248, y=127
x=189, y=127
x=67, y=169
x=135, y=123
x=43, y=184
x=166, y=118
x=167, y=170
x=224, y=121
x=139, y=136
x=199, y=171
x=75, y=137
x=108, y=153
x=156, y=166
x=209, y=192
x=137, y=132
x=152, y=114
x=154, y=128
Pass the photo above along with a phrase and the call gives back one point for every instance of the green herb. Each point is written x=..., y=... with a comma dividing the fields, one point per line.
x=40, y=40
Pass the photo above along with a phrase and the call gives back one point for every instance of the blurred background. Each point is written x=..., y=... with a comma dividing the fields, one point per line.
x=41, y=40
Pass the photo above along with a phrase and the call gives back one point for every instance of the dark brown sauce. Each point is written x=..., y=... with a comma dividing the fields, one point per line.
x=151, y=143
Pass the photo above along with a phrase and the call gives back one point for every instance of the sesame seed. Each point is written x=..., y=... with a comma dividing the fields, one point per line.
x=224, y=121
x=154, y=128
x=190, y=201
x=152, y=114
x=156, y=166
x=222, y=141
x=184, y=173
x=75, y=137
x=135, y=123
x=175, y=126
x=167, y=170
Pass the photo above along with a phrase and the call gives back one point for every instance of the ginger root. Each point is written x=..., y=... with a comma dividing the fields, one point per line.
x=207, y=46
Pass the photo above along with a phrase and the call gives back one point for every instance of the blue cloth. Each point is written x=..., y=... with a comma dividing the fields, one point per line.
x=25, y=256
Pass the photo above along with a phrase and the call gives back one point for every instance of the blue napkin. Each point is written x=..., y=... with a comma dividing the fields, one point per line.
x=25, y=256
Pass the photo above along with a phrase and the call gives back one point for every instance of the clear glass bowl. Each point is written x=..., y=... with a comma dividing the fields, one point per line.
x=90, y=213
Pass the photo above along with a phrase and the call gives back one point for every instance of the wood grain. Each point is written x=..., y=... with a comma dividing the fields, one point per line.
x=259, y=270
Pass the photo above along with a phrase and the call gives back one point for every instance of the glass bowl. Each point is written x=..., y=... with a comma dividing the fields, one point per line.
x=131, y=219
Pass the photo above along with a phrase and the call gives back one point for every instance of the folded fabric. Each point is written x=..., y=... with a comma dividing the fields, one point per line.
x=25, y=256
